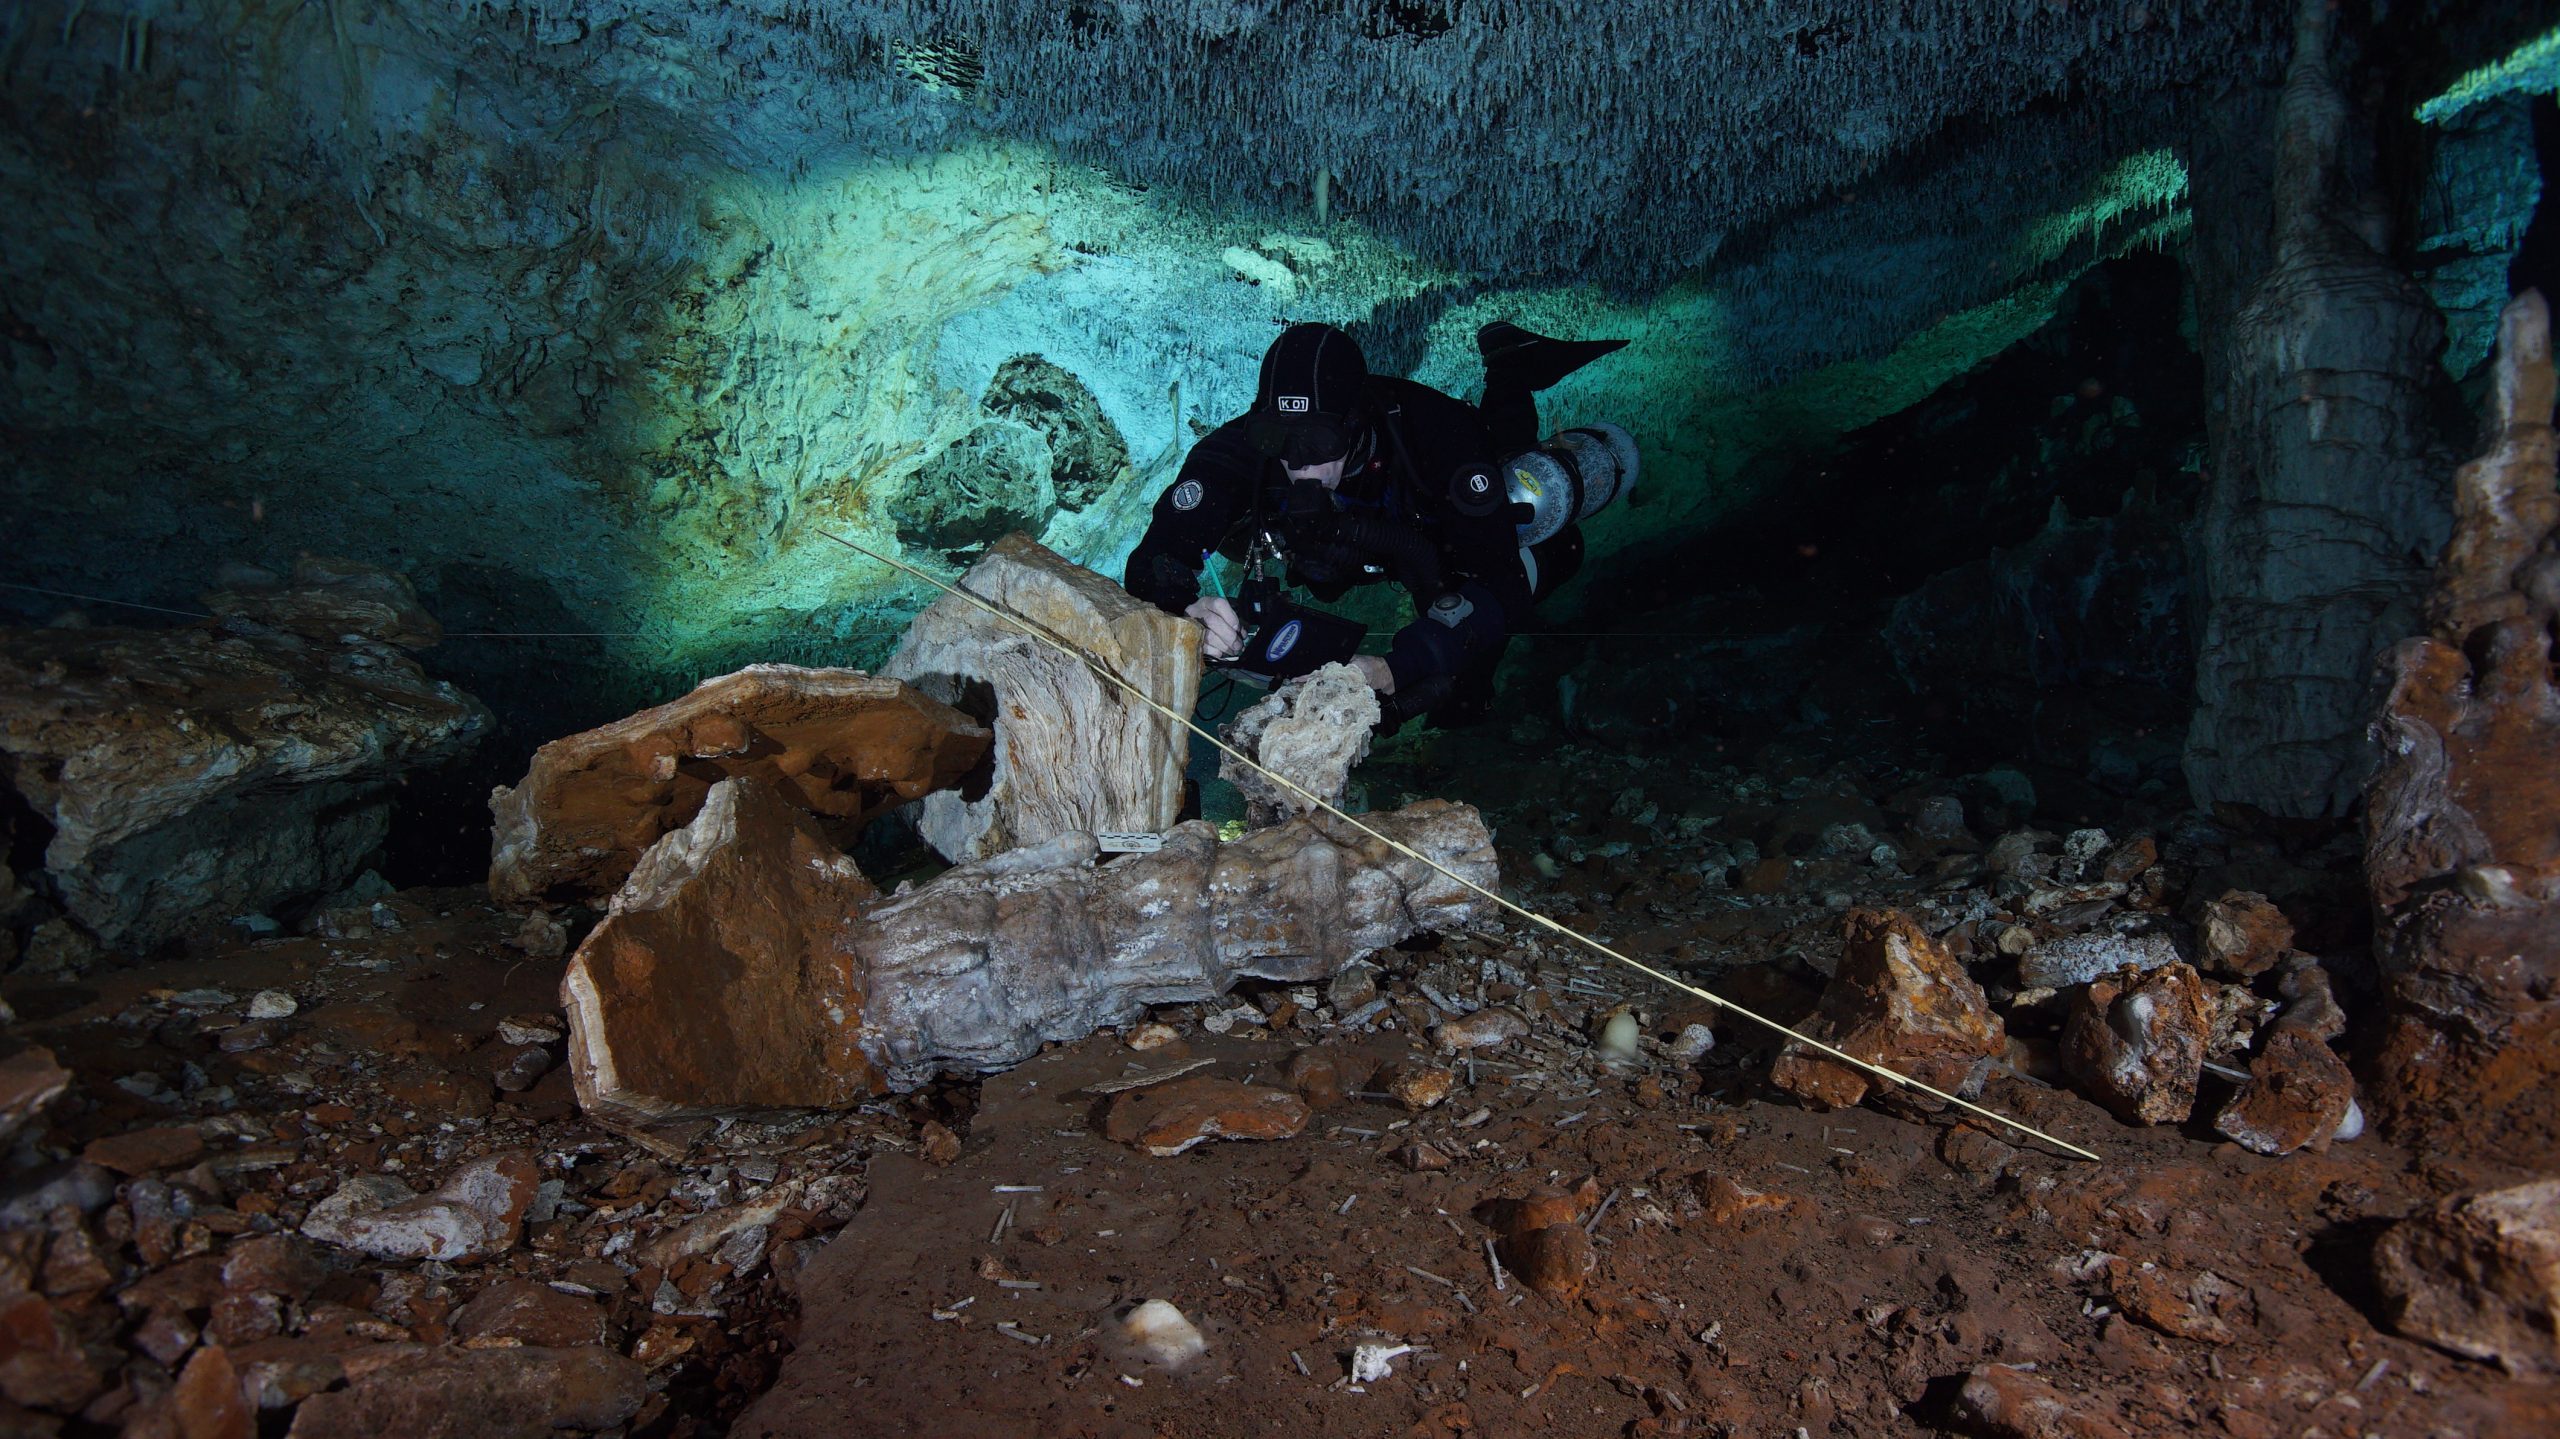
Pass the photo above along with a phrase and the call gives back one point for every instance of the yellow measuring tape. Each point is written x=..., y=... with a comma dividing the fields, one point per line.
x=1106, y=674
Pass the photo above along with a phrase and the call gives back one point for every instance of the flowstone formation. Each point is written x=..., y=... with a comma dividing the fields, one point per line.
x=843, y=745
x=1073, y=754
x=2462, y=841
x=747, y=966
x=1312, y=732
x=195, y=774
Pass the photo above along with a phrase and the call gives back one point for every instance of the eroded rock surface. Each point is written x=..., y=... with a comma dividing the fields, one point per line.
x=2136, y=1042
x=2479, y=1274
x=1072, y=753
x=2463, y=823
x=1901, y=1001
x=744, y=966
x=840, y=744
x=198, y=773
x=1311, y=731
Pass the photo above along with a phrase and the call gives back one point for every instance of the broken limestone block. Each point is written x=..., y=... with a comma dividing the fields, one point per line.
x=976, y=969
x=1073, y=754
x=745, y=966
x=1900, y=1000
x=2462, y=822
x=2479, y=1275
x=1166, y=1119
x=1311, y=731
x=198, y=773
x=715, y=981
x=2136, y=1042
x=840, y=744
x=475, y=1214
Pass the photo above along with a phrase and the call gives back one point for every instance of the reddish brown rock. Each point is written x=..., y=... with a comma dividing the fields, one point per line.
x=42, y=1364
x=2189, y=1304
x=1072, y=753
x=275, y=1263
x=2462, y=843
x=837, y=744
x=2001, y=1402
x=716, y=982
x=208, y=1400
x=1725, y=1202
x=409, y=1391
x=532, y=1312
x=1899, y=1000
x=1419, y=1086
x=1556, y=1260
x=475, y=1214
x=2299, y=1092
x=1166, y=1119
x=2244, y=935
x=29, y=1081
x=2480, y=1275
x=195, y=773
x=1539, y=1237
x=169, y=1147
x=72, y=1264
x=2136, y=1042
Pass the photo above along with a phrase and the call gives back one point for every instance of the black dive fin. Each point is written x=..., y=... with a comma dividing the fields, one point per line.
x=1532, y=361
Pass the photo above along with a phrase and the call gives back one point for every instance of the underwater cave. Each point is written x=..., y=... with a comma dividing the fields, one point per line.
x=1211, y=717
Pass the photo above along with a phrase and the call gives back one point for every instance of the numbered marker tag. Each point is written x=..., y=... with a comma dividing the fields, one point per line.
x=1112, y=842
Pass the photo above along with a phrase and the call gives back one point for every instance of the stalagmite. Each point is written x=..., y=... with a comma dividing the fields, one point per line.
x=2462, y=844
x=2321, y=497
x=746, y=966
x=1072, y=754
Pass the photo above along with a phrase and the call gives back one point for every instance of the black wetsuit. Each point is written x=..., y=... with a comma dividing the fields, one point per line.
x=1421, y=504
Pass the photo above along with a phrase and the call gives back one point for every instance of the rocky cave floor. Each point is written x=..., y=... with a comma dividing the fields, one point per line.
x=957, y=1262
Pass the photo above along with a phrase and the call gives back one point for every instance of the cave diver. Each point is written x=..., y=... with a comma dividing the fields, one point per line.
x=1338, y=478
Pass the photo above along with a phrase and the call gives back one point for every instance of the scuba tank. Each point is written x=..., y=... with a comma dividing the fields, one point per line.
x=1576, y=474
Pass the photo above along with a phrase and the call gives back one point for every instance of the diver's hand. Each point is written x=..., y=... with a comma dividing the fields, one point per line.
x=1225, y=637
x=1373, y=668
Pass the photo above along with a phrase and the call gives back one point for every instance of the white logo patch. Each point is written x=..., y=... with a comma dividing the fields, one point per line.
x=1283, y=642
x=1479, y=483
x=1186, y=496
x=1293, y=404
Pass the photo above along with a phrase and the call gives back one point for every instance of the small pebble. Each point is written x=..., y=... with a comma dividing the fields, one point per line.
x=272, y=1004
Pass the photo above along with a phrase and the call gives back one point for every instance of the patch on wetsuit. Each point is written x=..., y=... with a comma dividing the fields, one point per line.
x=1473, y=492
